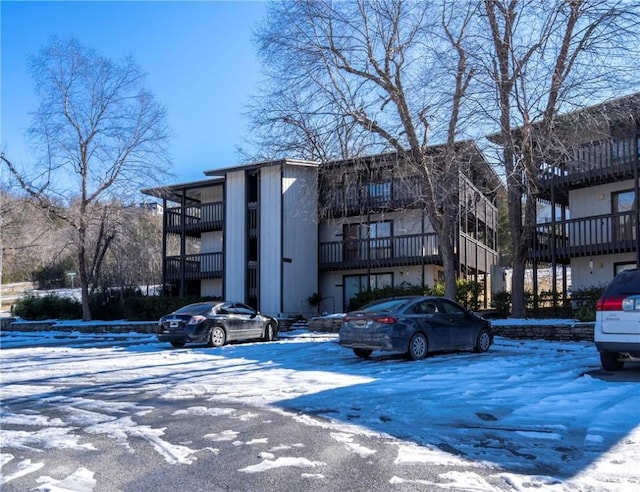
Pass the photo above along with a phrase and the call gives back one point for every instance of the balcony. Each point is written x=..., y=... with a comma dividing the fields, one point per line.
x=340, y=201
x=197, y=218
x=196, y=267
x=602, y=162
x=414, y=249
x=586, y=236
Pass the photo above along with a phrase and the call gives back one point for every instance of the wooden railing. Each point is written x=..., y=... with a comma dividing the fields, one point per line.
x=203, y=217
x=606, y=159
x=601, y=234
x=196, y=266
x=411, y=249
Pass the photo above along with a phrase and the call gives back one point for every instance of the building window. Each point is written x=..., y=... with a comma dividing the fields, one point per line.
x=380, y=240
x=354, y=284
x=624, y=224
x=621, y=267
x=379, y=193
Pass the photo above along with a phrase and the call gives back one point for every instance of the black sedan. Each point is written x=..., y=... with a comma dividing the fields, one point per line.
x=415, y=326
x=215, y=323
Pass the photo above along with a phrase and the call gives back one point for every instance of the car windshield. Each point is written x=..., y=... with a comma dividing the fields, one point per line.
x=392, y=305
x=627, y=282
x=195, y=309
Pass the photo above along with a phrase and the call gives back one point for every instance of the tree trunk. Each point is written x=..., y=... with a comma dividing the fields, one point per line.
x=84, y=283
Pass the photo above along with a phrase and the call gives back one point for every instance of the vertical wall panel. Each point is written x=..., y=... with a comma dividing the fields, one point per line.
x=235, y=237
x=270, y=258
x=299, y=238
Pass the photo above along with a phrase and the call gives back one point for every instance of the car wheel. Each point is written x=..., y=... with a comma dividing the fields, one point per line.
x=217, y=337
x=362, y=353
x=177, y=344
x=269, y=332
x=610, y=362
x=418, y=347
x=483, y=342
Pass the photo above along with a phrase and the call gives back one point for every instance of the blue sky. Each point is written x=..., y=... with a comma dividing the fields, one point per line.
x=198, y=55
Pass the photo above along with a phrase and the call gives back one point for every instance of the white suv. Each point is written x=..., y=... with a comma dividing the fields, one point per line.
x=617, y=328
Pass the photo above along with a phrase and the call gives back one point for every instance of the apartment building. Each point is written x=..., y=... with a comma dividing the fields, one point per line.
x=374, y=231
x=589, y=195
x=273, y=234
x=246, y=233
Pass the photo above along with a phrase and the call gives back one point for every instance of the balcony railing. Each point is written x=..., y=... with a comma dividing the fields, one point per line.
x=197, y=218
x=196, y=267
x=604, y=160
x=358, y=199
x=413, y=249
x=597, y=235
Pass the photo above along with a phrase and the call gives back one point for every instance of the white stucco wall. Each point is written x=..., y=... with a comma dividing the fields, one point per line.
x=332, y=290
x=597, y=273
x=404, y=223
x=596, y=200
x=211, y=242
x=213, y=194
x=211, y=287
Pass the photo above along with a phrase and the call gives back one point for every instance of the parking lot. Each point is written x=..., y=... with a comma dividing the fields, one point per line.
x=527, y=414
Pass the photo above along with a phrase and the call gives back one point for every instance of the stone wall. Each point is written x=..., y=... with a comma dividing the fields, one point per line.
x=327, y=324
x=568, y=332
x=82, y=326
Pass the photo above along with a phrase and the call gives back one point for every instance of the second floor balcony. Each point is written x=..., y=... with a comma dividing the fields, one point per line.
x=194, y=266
x=603, y=161
x=412, y=249
x=586, y=236
x=195, y=218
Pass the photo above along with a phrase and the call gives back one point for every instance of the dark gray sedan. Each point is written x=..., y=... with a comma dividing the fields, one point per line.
x=415, y=326
x=215, y=323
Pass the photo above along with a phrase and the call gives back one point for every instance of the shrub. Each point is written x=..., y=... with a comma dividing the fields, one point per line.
x=467, y=293
x=105, y=305
x=584, y=301
x=35, y=308
x=502, y=303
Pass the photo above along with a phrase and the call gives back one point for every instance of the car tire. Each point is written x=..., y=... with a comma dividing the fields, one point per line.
x=362, y=353
x=418, y=347
x=610, y=362
x=217, y=336
x=269, y=333
x=177, y=344
x=483, y=342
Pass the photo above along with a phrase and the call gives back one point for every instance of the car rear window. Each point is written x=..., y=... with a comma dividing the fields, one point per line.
x=195, y=309
x=625, y=283
x=392, y=305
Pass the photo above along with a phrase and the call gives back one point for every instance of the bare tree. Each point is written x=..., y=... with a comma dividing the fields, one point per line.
x=541, y=58
x=135, y=258
x=383, y=75
x=102, y=136
x=32, y=241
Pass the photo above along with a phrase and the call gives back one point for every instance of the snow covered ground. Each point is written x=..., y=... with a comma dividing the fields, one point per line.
x=535, y=414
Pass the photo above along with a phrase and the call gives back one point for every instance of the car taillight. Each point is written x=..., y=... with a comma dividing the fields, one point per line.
x=618, y=303
x=196, y=319
x=386, y=320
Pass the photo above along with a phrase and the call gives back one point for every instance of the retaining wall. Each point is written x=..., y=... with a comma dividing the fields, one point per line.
x=551, y=331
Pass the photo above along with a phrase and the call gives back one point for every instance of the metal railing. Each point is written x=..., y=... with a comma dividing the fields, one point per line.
x=601, y=234
x=206, y=216
x=394, y=250
x=196, y=266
